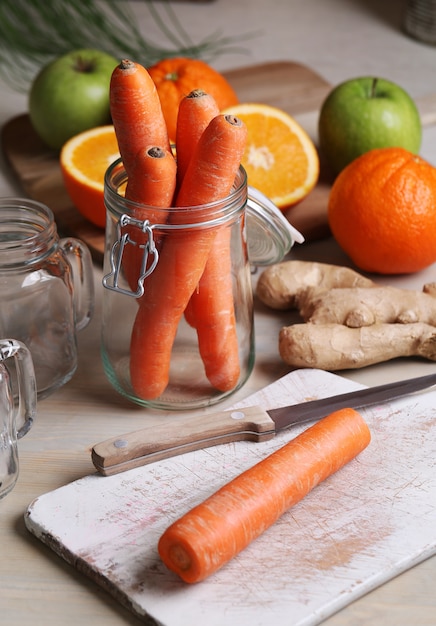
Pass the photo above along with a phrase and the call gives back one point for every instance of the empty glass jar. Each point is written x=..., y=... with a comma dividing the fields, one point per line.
x=46, y=287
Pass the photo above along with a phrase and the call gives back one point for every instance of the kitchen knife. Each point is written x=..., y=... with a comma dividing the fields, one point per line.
x=249, y=423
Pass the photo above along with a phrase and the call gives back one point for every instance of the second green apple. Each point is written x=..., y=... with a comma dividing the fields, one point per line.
x=365, y=113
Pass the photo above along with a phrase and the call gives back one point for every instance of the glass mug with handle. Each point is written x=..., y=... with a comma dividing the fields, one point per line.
x=16, y=417
x=46, y=289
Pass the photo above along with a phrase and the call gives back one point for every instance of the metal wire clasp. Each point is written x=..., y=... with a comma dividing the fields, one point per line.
x=111, y=280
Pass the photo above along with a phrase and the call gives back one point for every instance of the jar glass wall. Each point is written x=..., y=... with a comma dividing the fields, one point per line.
x=171, y=338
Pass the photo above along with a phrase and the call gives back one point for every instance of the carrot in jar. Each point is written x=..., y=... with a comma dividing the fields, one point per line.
x=211, y=311
x=209, y=177
x=151, y=185
x=195, y=112
x=136, y=111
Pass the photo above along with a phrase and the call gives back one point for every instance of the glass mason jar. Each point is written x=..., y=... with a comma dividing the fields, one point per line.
x=47, y=289
x=177, y=332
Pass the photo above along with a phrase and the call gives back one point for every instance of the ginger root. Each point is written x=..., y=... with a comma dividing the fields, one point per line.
x=350, y=321
x=356, y=306
x=281, y=285
x=338, y=347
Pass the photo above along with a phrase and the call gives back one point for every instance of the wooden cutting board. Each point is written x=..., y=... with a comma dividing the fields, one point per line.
x=364, y=525
x=291, y=86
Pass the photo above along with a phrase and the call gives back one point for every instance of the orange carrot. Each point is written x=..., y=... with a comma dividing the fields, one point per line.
x=153, y=180
x=209, y=177
x=210, y=308
x=151, y=184
x=212, y=533
x=211, y=311
x=196, y=110
x=212, y=169
x=136, y=111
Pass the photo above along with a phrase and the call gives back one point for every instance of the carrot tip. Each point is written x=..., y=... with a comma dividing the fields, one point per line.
x=197, y=93
x=126, y=64
x=232, y=119
x=156, y=152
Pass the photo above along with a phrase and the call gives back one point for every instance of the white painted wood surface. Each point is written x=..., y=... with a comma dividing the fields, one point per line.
x=372, y=520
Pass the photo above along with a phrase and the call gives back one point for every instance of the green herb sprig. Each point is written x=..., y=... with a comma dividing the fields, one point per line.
x=33, y=32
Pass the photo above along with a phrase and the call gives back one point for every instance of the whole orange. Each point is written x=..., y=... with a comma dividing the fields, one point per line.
x=382, y=211
x=177, y=77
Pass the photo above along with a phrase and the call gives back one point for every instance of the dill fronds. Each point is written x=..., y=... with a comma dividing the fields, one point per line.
x=33, y=32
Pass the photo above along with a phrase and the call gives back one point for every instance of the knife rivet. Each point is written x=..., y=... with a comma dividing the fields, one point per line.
x=120, y=443
x=237, y=415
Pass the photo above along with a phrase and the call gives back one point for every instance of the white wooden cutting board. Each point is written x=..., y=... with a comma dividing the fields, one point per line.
x=372, y=520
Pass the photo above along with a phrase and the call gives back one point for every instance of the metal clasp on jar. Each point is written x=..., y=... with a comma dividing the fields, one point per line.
x=111, y=280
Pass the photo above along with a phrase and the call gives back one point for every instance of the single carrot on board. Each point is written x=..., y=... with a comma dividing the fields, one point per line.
x=195, y=112
x=136, y=111
x=212, y=533
x=151, y=185
x=209, y=177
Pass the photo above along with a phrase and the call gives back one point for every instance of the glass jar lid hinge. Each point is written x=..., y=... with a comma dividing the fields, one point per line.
x=112, y=279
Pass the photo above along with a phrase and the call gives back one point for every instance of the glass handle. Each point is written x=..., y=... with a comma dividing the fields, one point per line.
x=27, y=393
x=80, y=260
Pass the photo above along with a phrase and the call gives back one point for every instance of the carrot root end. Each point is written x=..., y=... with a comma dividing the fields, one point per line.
x=179, y=557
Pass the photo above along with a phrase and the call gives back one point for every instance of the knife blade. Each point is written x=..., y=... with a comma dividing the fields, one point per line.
x=197, y=431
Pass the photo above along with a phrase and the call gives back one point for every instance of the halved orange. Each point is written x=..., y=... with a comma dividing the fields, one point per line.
x=84, y=160
x=280, y=159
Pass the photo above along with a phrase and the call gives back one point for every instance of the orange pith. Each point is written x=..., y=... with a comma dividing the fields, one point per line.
x=280, y=158
x=382, y=211
x=84, y=160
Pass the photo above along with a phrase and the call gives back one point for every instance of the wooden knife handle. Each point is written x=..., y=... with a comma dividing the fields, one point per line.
x=172, y=438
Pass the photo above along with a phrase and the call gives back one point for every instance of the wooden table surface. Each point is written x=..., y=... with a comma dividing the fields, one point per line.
x=339, y=40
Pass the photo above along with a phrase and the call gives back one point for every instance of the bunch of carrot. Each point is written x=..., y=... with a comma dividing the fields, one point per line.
x=192, y=277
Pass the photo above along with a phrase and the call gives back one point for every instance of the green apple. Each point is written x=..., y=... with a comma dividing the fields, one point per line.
x=70, y=95
x=365, y=113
